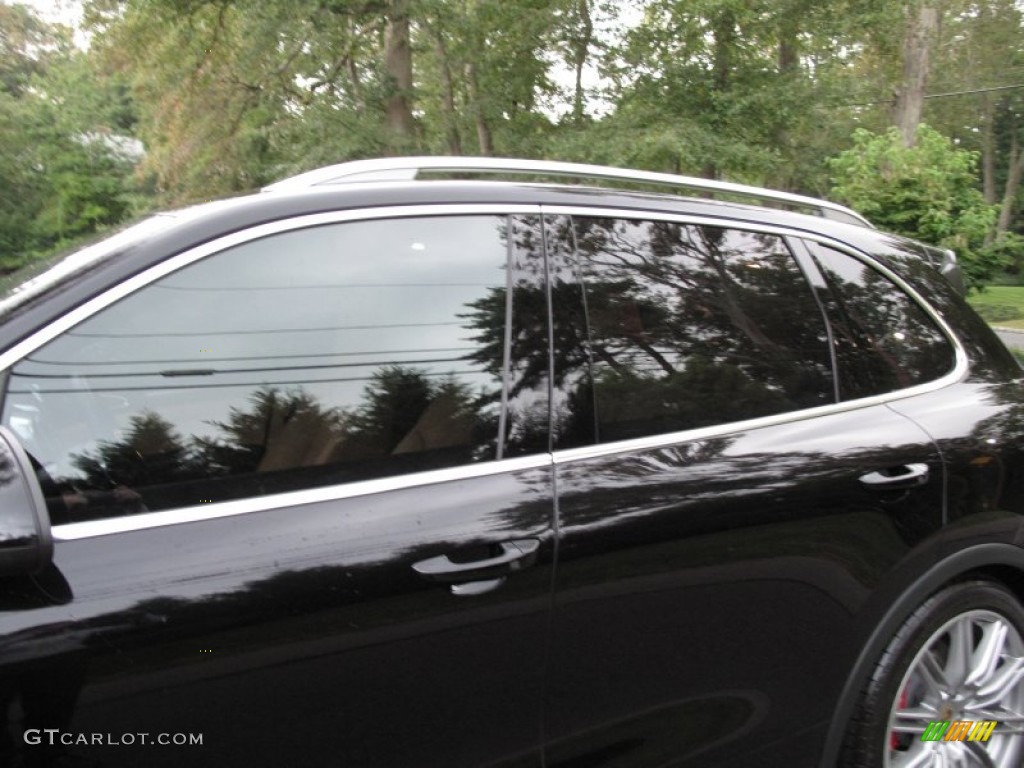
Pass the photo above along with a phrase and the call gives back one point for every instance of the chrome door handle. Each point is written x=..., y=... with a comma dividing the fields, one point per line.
x=513, y=556
x=896, y=478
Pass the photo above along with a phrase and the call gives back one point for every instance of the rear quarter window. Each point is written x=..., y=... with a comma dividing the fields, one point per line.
x=883, y=339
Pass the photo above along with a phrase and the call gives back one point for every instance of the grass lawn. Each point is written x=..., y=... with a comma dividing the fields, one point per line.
x=1000, y=305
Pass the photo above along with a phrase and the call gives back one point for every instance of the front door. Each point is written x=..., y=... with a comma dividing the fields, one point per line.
x=297, y=517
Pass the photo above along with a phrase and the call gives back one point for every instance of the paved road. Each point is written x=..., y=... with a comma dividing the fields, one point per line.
x=1012, y=338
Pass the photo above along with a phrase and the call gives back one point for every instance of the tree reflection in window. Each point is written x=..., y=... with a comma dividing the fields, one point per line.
x=312, y=357
x=883, y=340
x=681, y=326
x=524, y=425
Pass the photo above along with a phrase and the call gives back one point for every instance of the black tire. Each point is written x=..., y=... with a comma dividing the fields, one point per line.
x=974, y=610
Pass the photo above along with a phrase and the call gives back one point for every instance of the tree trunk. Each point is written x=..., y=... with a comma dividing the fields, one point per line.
x=922, y=26
x=483, y=129
x=724, y=34
x=451, y=120
x=789, y=45
x=788, y=60
x=1013, y=176
x=988, y=150
x=724, y=30
x=398, y=64
x=580, y=49
x=988, y=160
x=356, y=84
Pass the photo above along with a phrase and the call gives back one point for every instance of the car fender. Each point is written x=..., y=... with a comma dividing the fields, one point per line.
x=944, y=571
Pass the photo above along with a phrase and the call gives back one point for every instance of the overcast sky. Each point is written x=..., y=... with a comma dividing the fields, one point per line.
x=65, y=11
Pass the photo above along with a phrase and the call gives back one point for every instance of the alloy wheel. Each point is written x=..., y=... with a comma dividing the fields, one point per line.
x=970, y=669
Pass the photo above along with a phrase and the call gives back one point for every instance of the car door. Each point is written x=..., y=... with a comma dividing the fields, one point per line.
x=299, y=513
x=723, y=517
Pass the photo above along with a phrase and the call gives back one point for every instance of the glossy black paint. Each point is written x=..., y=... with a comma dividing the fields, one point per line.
x=713, y=601
x=711, y=570
x=298, y=636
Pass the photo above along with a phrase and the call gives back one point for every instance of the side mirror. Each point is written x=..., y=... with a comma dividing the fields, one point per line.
x=26, y=544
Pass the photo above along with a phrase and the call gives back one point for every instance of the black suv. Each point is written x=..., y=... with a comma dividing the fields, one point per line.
x=376, y=470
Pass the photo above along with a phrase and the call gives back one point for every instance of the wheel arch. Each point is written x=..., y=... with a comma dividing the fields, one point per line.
x=1003, y=563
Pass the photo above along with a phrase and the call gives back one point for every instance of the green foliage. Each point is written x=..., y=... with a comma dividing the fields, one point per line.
x=63, y=124
x=227, y=95
x=928, y=191
x=1008, y=250
x=21, y=34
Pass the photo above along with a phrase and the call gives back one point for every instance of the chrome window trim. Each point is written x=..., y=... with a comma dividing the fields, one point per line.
x=183, y=259
x=290, y=499
x=148, y=520
x=672, y=439
x=654, y=442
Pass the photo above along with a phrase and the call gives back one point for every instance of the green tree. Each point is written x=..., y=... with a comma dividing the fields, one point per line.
x=278, y=429
x=24, y=41
x=65, y=168
x=980, y=50
x=750, y=91
x=235, y=93
x=151, y=452
x=928, y=191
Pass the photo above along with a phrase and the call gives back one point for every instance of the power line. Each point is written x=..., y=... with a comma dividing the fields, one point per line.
x=975, y=90
x=945, y=95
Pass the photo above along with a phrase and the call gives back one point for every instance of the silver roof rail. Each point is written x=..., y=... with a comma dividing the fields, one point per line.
x=409, y=168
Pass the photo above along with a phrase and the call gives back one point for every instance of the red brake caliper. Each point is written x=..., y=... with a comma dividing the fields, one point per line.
x=894, y=738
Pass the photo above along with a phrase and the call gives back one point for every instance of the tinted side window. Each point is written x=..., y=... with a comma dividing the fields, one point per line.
x=681, y=326
x=883, y=339
x=311, y=357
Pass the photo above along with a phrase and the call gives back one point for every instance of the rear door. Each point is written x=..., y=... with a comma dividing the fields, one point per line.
x=723, y=513
x=300, y=513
